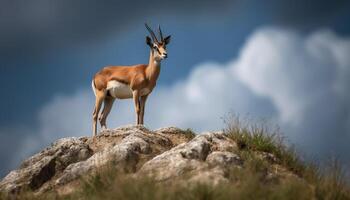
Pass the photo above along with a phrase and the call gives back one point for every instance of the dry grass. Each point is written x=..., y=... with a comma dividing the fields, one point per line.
x=257, y=136
x=326, y=183
x=189, y=133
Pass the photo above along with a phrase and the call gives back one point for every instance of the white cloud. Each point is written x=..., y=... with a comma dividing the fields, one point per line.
x=299, y=81
x=307, y=79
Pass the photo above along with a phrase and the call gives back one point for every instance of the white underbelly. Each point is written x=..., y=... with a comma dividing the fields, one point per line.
x=123, y=91
x=119, y=90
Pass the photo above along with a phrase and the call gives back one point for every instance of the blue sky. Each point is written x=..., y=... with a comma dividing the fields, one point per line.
x=283, y=60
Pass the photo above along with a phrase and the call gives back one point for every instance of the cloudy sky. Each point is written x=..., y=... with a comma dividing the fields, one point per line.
x=286, y=61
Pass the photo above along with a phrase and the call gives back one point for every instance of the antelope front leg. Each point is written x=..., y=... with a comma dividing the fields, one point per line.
x=136, y=97
x=143, y=103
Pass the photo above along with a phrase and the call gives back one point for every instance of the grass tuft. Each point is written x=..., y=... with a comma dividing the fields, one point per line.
x=189, y=133
x=260, y=137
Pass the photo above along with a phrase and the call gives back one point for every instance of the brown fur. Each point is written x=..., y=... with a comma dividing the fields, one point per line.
x=126, y=74
x=139, y=78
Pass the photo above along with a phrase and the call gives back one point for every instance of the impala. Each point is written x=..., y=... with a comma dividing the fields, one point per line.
x=123, y=82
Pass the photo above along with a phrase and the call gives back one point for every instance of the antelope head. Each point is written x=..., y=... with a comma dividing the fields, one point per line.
x=158, y=47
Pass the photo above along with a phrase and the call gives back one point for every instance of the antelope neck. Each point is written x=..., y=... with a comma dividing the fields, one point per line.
x=153, y=68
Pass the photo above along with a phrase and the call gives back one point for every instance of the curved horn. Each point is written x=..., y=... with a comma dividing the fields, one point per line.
x=160, y=33
x=151, y=32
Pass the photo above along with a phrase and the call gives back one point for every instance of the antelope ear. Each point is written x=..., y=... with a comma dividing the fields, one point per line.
x=148, y=41
x=167, y=39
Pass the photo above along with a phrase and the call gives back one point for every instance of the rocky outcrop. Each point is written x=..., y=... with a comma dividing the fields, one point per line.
x=165, y=154
x=67, y=159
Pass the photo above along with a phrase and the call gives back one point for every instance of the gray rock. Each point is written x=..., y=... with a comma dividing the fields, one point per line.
x=124, y=154
x=194, y=156
x=224, y=158
x=40, y=168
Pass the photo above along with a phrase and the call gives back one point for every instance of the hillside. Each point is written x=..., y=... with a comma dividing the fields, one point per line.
x=134, y=162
